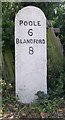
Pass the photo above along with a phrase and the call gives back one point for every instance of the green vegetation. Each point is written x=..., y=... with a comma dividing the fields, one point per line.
x=8, y=64
x=54, y=56
x=56, y=80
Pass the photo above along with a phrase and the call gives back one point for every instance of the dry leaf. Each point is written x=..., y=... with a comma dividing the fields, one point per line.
x=43, y=115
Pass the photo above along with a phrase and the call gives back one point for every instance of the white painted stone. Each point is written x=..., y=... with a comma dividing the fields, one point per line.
x=30, y=66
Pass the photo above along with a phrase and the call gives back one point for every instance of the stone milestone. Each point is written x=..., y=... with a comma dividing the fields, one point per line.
x=30, y=53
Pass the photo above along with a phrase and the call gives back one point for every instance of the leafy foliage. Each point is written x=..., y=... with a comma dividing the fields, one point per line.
x=55, y=71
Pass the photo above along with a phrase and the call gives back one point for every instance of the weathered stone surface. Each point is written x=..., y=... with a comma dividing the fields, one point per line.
x=30, y=53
